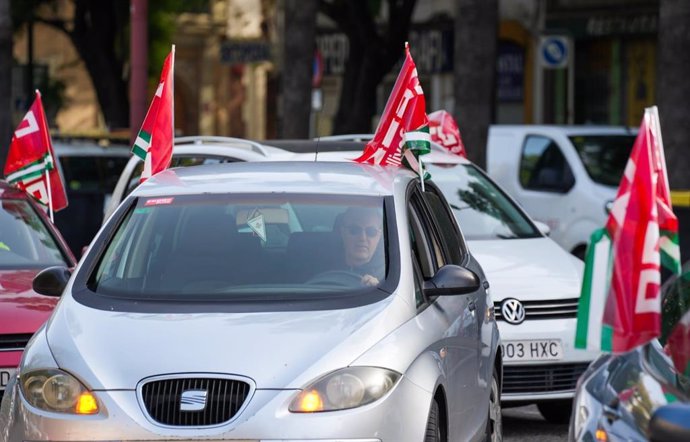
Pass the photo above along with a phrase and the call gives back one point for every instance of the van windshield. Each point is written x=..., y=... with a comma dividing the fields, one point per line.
x=239, y=246
x=604, y=156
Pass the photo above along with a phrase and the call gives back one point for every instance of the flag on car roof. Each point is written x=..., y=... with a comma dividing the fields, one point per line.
x=31, y=163
x=402, y=135
x=620, y=304
x=154, y=141
x=444, y=131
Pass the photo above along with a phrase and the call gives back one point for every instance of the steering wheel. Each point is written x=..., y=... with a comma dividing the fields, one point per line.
x=336, y=277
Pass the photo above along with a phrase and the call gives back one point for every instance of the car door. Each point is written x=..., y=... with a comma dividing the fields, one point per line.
x=455, y=316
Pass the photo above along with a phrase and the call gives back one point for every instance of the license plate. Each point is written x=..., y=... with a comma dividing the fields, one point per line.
x=537, y=350
x=5, y=375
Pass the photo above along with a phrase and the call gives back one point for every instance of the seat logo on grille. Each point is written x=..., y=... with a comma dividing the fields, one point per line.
x=193, y=400
x=513, y=311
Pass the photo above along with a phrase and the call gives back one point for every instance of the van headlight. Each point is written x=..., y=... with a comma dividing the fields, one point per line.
x=346, y=388
x=57, y=391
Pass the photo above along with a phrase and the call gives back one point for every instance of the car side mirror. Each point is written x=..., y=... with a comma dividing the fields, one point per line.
x=670, y=423
x=543, y=228
x=451, y=279
x=51, y=281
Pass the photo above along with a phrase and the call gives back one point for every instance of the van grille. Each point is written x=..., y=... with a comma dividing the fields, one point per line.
x=222, y=400
x=548, y=378
x=545, y=309
x=14, y=342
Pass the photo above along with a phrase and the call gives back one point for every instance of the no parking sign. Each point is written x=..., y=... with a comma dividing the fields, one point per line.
x=554, y=51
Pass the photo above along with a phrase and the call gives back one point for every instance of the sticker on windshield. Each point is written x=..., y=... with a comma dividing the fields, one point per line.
x=158, y=201
x=258, y=226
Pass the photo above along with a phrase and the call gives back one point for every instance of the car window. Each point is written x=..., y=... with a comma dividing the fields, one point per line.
x=177, y=161
x=675, y=295
x=424, y=249
x=481, y=209
x=604, y=156
x=446, y=224
x=91, y=174
x=543, y=166
x=224, y=246
x=25, y=241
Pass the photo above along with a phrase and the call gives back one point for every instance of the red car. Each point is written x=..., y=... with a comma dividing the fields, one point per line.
x=28, y=243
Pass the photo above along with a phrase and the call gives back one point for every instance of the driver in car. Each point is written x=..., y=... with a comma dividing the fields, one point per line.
x=361, y=231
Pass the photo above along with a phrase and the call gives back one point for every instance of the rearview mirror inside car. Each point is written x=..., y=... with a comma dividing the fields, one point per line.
x=51, y=281
x=451, y=279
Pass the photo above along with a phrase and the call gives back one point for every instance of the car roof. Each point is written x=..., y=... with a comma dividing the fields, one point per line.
x=571, y=130
x=435, y=156
x=345, y=178
x=86, y=148
x=9, y=191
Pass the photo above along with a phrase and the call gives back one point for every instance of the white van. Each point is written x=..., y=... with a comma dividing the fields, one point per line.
x=564, y=176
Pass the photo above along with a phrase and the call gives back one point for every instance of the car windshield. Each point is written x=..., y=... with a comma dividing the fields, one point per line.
x=235, y=246
x=25, y=241
x=604, y=156
x=482, y=210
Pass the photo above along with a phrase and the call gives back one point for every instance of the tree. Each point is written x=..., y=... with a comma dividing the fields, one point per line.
x=98, y=33
x=5, y=80
x=476, y=30
x=673, y=71
x=298, y=56
x=374, y=49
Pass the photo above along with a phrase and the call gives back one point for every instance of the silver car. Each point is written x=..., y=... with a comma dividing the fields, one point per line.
x=267, y=301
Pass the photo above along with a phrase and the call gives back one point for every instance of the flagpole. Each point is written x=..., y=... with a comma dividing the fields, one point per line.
x=421, y=171
x=172, y=91
x=49, y=160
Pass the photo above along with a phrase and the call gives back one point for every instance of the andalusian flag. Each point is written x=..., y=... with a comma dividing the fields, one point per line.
x=31, y=163
x=154, y=142
x=402, y=135
x=620, y=304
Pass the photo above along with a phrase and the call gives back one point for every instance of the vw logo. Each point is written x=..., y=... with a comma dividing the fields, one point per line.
x=193, y=400
x=513, y=311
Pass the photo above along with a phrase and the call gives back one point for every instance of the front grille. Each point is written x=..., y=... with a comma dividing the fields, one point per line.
x=545, y=309
x=13, y=342
x=224, y=398
x=548, y=378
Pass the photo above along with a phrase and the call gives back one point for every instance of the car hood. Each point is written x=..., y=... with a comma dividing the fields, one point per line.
x=22, y=311
x=116, y=350
x=528, y=269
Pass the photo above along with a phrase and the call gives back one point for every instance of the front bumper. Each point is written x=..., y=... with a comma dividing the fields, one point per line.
x=399, y=416
x=543, y=380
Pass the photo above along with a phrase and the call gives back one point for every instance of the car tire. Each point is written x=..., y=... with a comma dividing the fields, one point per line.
x=494, y=423
x=556, y=412
x=434, y=431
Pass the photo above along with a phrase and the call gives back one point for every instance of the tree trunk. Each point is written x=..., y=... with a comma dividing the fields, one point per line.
x=298, y=56
x=374, y=50
x=673, y=71
x=95, y=26
x=476, y=34
x=5, y=80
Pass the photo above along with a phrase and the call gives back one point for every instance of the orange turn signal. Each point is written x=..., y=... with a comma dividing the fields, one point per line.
x=601, y=436
x=86, y=404
x=310, y=401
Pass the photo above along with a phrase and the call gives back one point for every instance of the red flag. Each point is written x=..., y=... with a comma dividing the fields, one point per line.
x=31, y=164
x=154, y=142
x=404, y=119
x=644, y=235
x=444, y=131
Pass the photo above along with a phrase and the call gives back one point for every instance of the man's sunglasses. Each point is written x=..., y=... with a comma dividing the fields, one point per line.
x=370, y=231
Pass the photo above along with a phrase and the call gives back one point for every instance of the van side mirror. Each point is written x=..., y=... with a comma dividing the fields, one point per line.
x=51, y=281
x=670, y=423
x=452, y=279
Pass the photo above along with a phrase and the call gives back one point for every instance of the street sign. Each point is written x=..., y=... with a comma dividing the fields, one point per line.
x=240, y=51
x=554, y=51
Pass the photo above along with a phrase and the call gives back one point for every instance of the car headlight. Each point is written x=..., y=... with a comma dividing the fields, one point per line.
x=57, y=391
x=346, y=388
